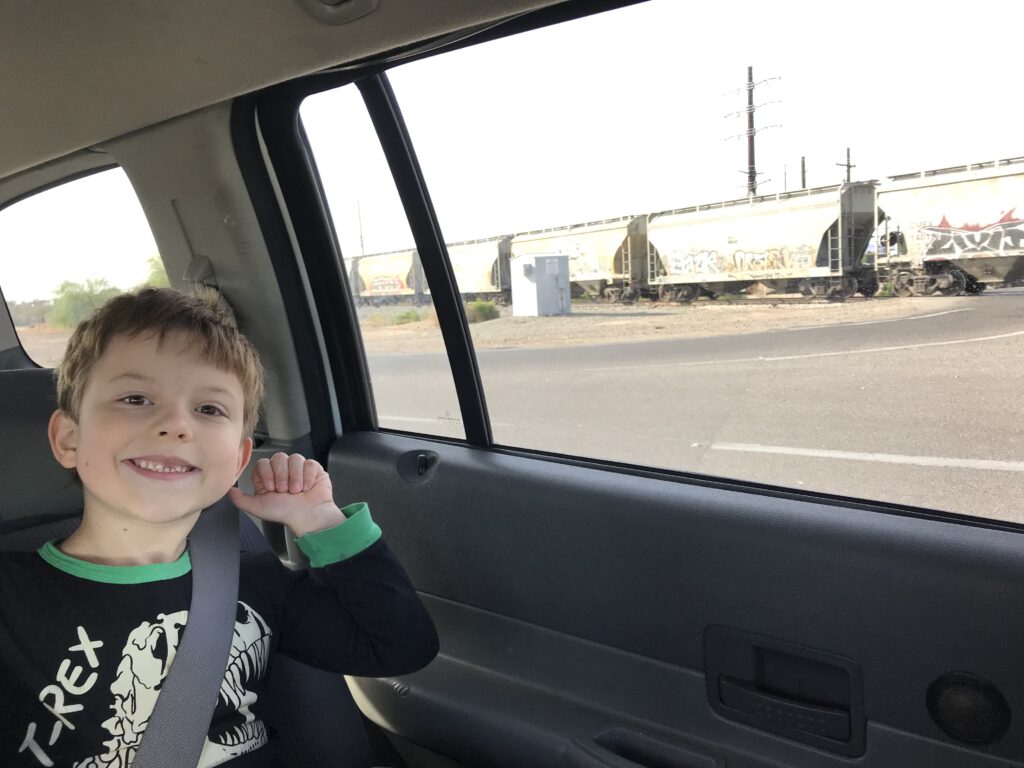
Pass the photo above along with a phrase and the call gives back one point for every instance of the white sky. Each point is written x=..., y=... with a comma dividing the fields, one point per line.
x=613, y=115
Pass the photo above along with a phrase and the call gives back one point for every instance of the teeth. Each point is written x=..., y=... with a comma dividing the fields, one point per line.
x=153, y=466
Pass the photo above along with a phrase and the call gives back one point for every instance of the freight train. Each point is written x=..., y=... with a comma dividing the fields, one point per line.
x=945, y=232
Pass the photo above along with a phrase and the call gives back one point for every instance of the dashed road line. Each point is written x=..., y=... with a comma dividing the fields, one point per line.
x=871, y=322
x=810, y=356
x=882, y=458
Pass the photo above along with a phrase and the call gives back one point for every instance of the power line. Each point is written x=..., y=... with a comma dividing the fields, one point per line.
x=751, y=131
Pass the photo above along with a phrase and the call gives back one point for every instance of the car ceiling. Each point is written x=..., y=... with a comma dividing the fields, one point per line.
x=79, y=73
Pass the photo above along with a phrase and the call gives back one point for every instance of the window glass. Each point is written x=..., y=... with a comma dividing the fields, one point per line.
x=412, y=381
x=68, y=249
x=682, y=302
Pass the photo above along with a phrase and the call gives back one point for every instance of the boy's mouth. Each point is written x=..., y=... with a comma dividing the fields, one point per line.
x=161, y=465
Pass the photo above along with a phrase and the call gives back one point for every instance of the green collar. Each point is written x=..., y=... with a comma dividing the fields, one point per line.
x=114, y=574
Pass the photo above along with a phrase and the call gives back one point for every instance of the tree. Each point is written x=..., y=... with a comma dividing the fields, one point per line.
x=157, y=277
x=73, y=302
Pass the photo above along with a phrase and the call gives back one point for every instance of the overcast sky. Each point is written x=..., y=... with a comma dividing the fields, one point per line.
x=613, y=115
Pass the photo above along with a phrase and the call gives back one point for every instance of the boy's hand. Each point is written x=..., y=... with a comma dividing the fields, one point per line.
x=292, y=490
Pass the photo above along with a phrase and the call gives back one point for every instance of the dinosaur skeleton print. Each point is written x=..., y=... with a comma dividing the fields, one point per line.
x=146, y=658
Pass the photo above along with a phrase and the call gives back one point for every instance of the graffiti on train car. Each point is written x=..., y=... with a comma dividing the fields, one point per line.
x=774, y=262
x=946, y=240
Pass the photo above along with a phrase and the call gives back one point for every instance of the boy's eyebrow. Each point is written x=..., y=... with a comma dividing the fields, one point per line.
x=132, y=375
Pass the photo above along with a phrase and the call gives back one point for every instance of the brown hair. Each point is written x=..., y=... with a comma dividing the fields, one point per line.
x=159, y=312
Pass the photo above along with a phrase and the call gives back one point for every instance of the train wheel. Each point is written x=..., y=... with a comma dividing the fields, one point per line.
x=958, y=284
x=805, y=287
x=630, y=295
x=687, y=293
x=666, y=293
x=612, y=294
x=903, y=286
x=846, y=288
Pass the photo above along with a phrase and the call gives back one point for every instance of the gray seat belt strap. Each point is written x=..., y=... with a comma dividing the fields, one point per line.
x=180, y=723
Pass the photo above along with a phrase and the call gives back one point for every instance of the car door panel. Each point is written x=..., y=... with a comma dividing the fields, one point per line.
x=572, y=599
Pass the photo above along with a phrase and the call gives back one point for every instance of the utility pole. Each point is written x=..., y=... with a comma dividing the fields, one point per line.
x=847, y=165
x=751, y=168
x=803, y=173
x=751, y=131
x=359, y=213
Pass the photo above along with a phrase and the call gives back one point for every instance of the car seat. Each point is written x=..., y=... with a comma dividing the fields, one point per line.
x=311, y=715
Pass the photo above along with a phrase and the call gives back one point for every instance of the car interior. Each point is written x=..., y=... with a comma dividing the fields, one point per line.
x=592, y=613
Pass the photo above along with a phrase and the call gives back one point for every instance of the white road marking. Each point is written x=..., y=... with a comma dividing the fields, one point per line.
x=872, y=322
x=383, y=417
x=883, y=458
x=780, y=358
x=419, y=419
x=896, y=349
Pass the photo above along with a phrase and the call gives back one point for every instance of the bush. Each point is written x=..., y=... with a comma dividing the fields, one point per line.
x=481, y=311
x=409, y=316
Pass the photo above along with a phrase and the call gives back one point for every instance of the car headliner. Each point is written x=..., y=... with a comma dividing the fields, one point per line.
x=79, y=73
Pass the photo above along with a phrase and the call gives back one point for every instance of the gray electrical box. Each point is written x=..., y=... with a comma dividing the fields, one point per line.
x=540, y=285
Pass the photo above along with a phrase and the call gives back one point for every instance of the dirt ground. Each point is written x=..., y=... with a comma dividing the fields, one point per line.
x=589, y=323
x=611, y=323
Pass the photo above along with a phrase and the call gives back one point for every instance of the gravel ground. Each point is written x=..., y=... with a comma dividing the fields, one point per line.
x=611, y=323
x=589, y=323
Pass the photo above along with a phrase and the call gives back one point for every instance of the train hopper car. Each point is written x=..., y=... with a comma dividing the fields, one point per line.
x=952, y=230
x=812, y=241
x=606, y=258
x=388, y=278
x=481, y=268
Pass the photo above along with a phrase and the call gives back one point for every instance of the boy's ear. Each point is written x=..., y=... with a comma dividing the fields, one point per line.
x=244, y=454
x=63, y=434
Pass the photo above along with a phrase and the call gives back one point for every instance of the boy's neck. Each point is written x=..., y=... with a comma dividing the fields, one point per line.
x=110, y=542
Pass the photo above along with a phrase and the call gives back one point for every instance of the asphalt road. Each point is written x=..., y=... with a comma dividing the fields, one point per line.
x=925, y=410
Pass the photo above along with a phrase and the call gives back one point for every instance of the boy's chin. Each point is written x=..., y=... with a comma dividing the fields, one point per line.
x=164, y=515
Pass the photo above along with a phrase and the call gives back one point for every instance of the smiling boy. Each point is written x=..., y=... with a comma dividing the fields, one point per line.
x=158, y=396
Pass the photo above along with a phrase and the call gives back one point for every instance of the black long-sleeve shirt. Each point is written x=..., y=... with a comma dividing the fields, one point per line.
x=84, y=647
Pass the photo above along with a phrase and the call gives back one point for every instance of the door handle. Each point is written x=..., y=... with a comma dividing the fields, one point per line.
x=830, y=722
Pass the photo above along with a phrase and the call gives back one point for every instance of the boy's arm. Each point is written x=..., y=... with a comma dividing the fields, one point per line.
x=356, y=611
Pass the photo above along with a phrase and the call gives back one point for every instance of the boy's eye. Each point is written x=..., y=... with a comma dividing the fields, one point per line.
x=210, y=410
x=136, y=400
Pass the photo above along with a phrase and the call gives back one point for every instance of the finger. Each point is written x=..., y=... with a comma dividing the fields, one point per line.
x=310, y=474
x=242, y=500
x=263, y=477
x=296, y=462
x=279, y=463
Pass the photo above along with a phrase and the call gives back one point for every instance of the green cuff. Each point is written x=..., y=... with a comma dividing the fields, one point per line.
x=345, y=540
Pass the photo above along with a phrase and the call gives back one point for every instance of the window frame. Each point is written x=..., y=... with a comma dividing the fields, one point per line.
x=289, y=151
x=271, y=118
x=48, y=177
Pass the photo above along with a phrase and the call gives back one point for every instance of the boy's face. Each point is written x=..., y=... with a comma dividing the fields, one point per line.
x=159, y=432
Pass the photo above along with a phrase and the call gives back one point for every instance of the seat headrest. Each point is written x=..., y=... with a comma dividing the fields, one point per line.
x=32, y=483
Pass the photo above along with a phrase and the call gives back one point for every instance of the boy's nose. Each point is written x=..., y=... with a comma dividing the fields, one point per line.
x=174, y=424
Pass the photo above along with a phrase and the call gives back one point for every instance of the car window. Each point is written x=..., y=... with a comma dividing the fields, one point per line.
x=66, y=250
x=670, y=257
x=412, y=383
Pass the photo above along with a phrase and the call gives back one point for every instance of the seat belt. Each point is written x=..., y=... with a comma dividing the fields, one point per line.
x=180, y=723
